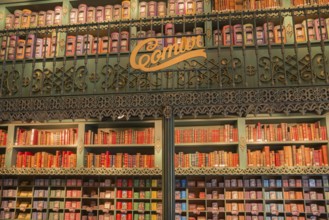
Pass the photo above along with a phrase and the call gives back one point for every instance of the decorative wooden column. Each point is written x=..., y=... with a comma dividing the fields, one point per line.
x=168, y=166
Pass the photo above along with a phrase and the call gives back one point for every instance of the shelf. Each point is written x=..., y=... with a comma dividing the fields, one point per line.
x=44, y=146
x=82, y=171
x=261, y=143
x=118, y=145
x=206, y=144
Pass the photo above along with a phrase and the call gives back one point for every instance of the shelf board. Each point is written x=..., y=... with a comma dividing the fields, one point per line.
x=206, y=144
x=258, y=143
x=44, y=146
x=210, y=171
x=117, y=145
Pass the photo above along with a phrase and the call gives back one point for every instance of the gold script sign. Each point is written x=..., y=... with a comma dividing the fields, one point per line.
x=168, y=56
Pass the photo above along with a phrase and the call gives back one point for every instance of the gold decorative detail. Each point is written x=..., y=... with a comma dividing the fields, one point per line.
x=157, y=145
x=289, y=30
x=207, y=2
x=208, y=33
x=1, y=16
x=10, y=146
x=243, y=143
x=65, y=10
x=161, y=59
x=61, y=44
x=133, y=5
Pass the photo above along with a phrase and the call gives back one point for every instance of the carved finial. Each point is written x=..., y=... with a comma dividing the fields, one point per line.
x=167, y=111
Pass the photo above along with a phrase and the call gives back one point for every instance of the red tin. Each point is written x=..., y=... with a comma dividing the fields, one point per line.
x=91, y=14
x=320, y=29
x=26, y=18
x=248, y=34
x=238, y=34
x=88, y=40
x=3, y=48
x=268, y=33
x=42, y=19
x=280, y=34
x=58, y=15
x=34, y=19
x=199, y=8
x=82, y=13
x=300, y=33
x=50, y=18
x=217, y=37
x=143, y=9
x=190, y=7
x=124, y=41
x=10, y=21
x=199, y=31
x=18, y=18
x=97, y=43
x=162, y=9
x=115, y=42
x=152, y=9
x=74, y=16
x=100, y=13
x=53, y=50
x=169, y=31
x=106, y=45
x=70, y=45
x=29, y=49
x=227, y=35
x=46, y=50
x=20, y=49
x=39, y=48
x=260, y=35
x=171, y=7
x=108, y=13
x=80, y=45
x=310, y=29
x=180, y=7
x=125, y=10
x=117, y=12
x=12, y=46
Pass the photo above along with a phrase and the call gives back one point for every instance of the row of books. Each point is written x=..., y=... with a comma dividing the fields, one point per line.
x=62, y=159
x=286, y=132
x=226, y=133
x=120, y=136
x=254, y=183
x=119, y=160
x=121, y=217
x=46, y=136
x=3, y=137
x=27, y=19
x=237, y=5
x=89, y=14
x=14, y=47
x=79, y=182
x=269, y=33
x=289, y=156
x=309, y=2
x=212, y=159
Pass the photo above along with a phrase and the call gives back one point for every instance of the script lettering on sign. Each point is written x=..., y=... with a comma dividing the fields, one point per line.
x=168, y=56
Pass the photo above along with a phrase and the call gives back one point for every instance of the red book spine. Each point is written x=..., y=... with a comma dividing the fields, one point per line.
x=324, y=149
